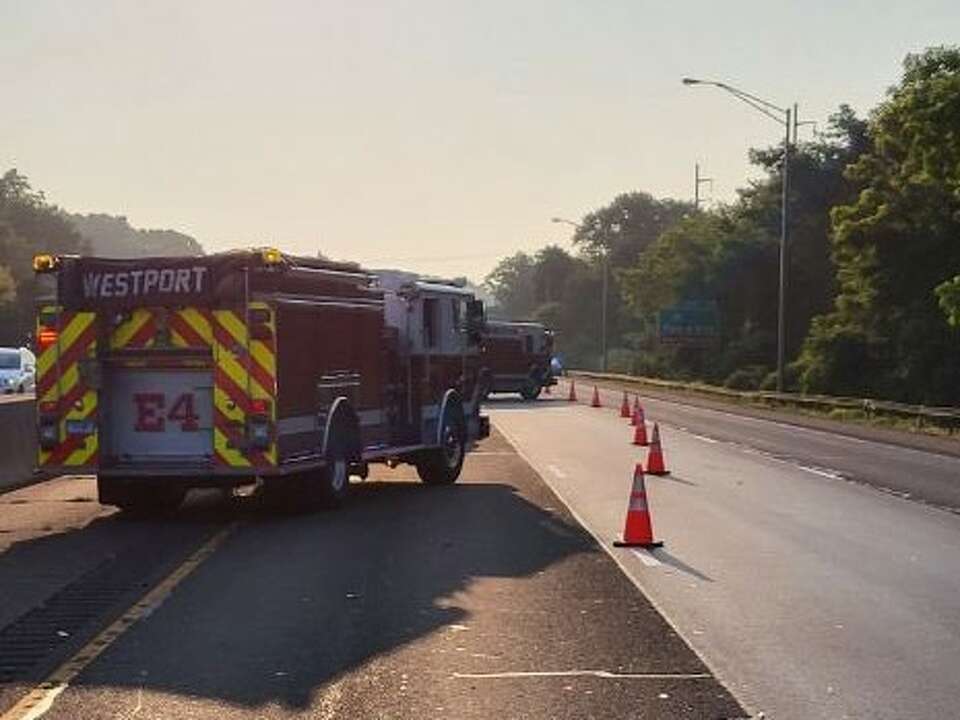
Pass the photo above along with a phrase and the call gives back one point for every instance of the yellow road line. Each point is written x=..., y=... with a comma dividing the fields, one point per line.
x=39, y=700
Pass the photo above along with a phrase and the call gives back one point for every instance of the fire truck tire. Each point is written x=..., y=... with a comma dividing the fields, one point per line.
x=139, y=498
x=442, y=465
x=531, y=389
x=486, y=384
x=332, y=482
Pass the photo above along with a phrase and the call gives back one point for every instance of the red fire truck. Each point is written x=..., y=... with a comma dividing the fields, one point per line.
x=516, y=358
x=164, y=374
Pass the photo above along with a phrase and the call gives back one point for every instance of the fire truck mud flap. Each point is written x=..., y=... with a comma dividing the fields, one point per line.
x=478, y=427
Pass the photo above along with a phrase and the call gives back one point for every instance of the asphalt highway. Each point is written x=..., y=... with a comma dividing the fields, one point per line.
x=485, y=599
x=886, y=461
x=808, y=589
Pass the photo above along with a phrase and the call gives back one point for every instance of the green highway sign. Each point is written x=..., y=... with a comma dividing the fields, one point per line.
x=690, y=323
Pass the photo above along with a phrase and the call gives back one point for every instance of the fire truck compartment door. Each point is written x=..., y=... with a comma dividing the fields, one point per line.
x=159, y=415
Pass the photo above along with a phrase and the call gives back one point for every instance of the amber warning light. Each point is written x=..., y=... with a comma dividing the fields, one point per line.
x=45, y=263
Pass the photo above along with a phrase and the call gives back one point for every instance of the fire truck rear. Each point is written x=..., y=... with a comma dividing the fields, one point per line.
x=164, y=374
x=516, y=358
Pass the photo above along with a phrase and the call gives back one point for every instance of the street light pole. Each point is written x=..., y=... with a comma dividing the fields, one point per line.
x=784, y=260
x=603, y=312
x=787, y=119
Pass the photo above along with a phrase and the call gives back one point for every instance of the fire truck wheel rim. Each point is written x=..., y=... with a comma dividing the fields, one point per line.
x=452, y=447
x=338, y=474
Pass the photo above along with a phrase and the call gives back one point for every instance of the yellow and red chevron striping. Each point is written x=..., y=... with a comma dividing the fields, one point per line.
x=79, y=334
x=248, y=364
x=188, y=328
x=244, y=372
x=61, y=389
x=136, y=332
x=191, y=328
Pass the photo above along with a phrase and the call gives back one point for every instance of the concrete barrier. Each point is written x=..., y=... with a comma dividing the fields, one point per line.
x=18, y=441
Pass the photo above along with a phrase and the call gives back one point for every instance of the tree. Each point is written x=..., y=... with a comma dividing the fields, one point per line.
x=511, y=284
x=28, y=225
x=897, y=246
x=553, y=268
x=948, y=293
x=8, y=286
x=817, y=184
x=627, y=226
x=729, y=256
x=111, y=236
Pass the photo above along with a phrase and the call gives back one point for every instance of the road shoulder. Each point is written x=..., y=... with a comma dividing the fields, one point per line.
x=949, y=446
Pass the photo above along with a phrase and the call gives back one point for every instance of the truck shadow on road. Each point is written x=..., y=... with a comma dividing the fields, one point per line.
x=289, y=603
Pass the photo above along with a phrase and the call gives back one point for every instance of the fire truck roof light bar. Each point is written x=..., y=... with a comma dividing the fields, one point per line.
x=46, y=263
x=271, y=256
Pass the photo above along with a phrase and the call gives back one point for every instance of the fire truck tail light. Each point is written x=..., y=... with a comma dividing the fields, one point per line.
x=48, y=407
x=260, y=406
x=46, y=337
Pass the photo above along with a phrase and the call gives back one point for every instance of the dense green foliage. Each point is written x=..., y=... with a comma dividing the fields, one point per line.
x=897, y=249
x=29, y=224
x=873, y=302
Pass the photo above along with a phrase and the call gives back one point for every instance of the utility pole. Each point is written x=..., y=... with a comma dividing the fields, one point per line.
x=697, y=182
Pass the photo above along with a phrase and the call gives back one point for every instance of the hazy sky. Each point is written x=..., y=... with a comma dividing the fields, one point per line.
x=436, y=135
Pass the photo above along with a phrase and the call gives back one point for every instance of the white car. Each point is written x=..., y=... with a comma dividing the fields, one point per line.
x=17, y=370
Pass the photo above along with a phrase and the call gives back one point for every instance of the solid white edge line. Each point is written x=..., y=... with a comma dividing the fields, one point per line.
x=605, y=674
x=42, y=707
x=728, y=685
x=647, y=557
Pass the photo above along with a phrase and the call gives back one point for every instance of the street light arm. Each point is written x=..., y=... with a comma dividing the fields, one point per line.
x=745, y=94
x=757, y=103
x=743, y=97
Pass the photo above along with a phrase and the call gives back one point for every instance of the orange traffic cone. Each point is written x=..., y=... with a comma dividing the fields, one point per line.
x=640, y=429
x=625, y=406
x=637, y=409
x=572, y=397
x=596, y=398
x=638, y=530
x=655, y=464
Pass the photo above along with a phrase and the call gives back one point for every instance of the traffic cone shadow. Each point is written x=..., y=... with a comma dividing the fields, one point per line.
x=638, y=529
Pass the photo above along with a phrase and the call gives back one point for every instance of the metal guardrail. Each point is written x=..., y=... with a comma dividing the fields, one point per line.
x=943, y=417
